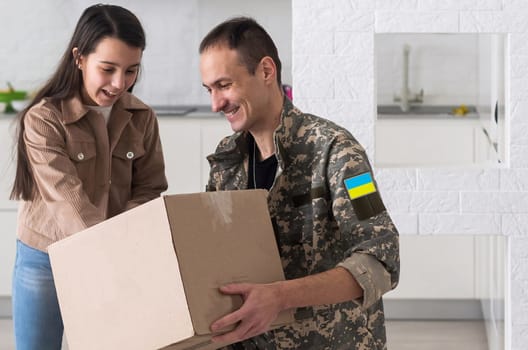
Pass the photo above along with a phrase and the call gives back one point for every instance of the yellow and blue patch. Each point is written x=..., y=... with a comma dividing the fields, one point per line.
x=360, y=185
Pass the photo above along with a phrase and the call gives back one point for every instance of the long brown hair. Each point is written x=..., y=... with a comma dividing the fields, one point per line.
x=96, y=23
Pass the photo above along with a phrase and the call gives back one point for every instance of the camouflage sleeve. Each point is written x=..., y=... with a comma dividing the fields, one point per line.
x=214, y=167
x=372, y=254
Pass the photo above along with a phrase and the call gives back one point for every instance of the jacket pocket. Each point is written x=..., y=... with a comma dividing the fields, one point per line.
x=310, y=209
x=124, y=155
x=83, y=155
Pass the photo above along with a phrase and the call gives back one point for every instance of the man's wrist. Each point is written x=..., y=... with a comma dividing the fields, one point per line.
x=282, y=295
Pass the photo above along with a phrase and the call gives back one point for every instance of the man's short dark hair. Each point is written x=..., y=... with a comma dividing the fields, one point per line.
x=248, y=38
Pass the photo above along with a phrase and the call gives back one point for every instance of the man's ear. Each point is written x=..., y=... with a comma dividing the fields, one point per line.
x=269, y=69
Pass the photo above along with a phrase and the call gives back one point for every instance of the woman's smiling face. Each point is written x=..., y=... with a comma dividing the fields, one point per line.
x=109, y=71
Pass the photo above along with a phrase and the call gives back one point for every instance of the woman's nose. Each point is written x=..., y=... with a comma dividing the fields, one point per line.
x=119, y=81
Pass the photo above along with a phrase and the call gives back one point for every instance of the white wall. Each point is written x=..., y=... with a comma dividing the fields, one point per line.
x=36, y=34
x=337, y=80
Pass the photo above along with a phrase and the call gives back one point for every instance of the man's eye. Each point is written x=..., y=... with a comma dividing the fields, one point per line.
x=224, y=86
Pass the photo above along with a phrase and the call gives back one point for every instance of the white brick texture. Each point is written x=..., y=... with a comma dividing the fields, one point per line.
x=458, y=180
x=460, y=5
x=474, y=224
x=435, y=200
x=494, y=202
x=417, y=21
x=407, y=224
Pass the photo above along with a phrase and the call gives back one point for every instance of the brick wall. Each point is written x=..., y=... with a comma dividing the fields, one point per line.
x=333, y=74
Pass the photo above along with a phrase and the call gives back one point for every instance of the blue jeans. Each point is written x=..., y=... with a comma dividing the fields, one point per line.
x=36, y=314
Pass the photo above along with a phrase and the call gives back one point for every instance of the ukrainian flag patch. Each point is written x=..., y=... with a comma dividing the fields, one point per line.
x=360, y=185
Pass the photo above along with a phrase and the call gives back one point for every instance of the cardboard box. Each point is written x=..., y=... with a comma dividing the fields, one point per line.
x=149, y=278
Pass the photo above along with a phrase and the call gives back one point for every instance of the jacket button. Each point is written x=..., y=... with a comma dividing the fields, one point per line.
x=130, y=155
x=80, y=156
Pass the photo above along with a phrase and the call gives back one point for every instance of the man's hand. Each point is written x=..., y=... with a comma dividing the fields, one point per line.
x=262, y=303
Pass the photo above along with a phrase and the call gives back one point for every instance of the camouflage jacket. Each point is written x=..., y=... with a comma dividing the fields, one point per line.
x=318, y=227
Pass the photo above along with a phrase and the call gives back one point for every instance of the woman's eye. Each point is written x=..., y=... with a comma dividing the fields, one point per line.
x=108, y=70
x=131, y=71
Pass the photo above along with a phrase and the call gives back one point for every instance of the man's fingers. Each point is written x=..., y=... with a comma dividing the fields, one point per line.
x=239, y=333
x=235, y=288
x=226, y=321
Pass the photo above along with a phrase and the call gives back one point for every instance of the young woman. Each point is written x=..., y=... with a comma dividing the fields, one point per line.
x=87, y=150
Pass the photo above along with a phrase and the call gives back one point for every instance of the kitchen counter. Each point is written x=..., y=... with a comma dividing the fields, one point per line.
x=167, y=111
x=426, y=112
x=429, y=117
x=188, y=111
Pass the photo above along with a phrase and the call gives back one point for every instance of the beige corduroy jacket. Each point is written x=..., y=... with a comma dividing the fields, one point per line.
x=86, y=171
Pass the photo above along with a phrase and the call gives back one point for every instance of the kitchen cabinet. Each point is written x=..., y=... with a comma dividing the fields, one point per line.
x=451, y=267
x=8, y=208
x=438, y=267
x=7, y=249
x=187, y=141
x=180, y=140
x=429, y=142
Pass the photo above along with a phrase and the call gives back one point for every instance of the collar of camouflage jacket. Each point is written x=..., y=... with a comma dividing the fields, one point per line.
x=234, y=148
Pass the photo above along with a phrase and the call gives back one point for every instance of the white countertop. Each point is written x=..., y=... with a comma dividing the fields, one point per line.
x=428, y=117
x=180, y=111
x=186, y=111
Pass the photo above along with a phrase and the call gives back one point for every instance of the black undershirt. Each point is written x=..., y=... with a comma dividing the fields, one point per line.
x=265, y=170
x=265, y=173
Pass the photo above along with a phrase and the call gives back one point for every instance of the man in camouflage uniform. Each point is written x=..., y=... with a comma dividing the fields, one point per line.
x=338, y=245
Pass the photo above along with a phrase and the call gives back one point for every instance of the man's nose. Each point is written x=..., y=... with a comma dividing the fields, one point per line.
x=218, y=101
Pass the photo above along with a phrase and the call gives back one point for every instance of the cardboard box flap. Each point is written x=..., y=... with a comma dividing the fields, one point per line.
x=240, y=247
x=127, y=299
